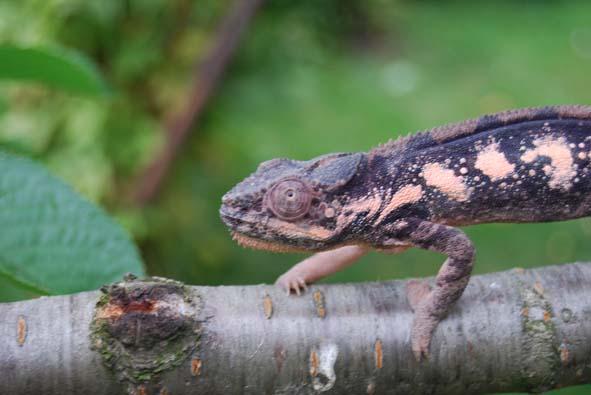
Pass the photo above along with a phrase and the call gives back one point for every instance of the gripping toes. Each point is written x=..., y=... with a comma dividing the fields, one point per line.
x=423, y=326
x=291, y=281
x=417, y=293
x=431, y=306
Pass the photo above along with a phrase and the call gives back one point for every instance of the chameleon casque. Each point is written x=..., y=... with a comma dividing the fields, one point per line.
x=526, y=165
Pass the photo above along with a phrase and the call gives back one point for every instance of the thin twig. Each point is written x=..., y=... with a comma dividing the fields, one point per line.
x=206, y=77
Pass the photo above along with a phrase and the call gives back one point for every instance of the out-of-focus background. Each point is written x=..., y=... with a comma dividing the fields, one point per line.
x=307, y=77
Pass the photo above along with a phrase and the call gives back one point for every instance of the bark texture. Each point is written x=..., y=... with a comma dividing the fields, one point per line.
x=514, y=331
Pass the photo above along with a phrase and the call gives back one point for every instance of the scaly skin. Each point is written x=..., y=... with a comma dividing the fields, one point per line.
x=528, y=165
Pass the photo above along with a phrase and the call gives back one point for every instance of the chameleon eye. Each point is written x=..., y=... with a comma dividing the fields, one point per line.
x=289, y=199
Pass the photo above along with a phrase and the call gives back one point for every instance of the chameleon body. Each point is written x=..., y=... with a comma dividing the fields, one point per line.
x=527, y=165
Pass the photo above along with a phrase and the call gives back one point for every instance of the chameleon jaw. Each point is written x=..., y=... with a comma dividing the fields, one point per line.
x=257, y=244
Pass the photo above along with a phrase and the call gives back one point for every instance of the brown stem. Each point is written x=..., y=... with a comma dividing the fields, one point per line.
x=206, y=77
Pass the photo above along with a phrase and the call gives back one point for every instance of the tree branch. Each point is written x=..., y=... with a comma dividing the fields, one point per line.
x=206, y=77
x=521, y=330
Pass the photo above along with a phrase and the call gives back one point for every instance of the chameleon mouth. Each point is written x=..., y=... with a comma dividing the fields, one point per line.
x=257, y=244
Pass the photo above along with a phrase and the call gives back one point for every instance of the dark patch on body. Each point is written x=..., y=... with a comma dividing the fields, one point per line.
x=525, y=197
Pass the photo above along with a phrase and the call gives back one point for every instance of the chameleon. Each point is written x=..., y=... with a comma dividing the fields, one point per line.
x=524, y=165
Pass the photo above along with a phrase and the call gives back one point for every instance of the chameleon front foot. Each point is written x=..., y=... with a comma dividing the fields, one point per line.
x=318, y=266
x=292, y=282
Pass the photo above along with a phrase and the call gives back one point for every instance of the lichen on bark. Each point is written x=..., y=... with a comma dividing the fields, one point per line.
x=142, y=328
x=541, y=353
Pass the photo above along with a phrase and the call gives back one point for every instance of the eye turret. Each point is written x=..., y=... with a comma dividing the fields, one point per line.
x=289, y=199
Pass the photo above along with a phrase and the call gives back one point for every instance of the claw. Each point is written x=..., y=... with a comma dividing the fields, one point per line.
x=303, y=284
x=420, y=349
x=423, y=326
x=291, y=281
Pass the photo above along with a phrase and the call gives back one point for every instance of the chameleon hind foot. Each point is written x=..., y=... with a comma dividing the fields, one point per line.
x=417, y=294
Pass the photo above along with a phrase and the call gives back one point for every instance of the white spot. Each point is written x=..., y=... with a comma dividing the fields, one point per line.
x=463, y=170
x=572, y=145
x=462, y=160
x=581, y=145
x=324, y=377
x=532, y=172
x=581, y=155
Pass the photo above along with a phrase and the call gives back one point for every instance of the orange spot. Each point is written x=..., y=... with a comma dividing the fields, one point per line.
x=21, y=330
x=109, y=311
x=493, y=163
x=561, y=169
x=196, y=366
x=294, y=230
x=268, y=306
x=378, y=353
x=319, y=304
x=437, y=176
x=314, y=364
x=370, y=204
x=547, y=316
x=406, y=194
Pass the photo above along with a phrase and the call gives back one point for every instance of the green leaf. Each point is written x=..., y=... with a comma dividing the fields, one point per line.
x=55, y=67
x=52, y=241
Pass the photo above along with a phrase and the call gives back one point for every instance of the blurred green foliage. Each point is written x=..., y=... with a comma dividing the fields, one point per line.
x=53, y=67
x=310, y=78
x=54, y=242
x=296, y=91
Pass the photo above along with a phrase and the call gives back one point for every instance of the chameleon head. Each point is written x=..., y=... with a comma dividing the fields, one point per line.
x=288, y=205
